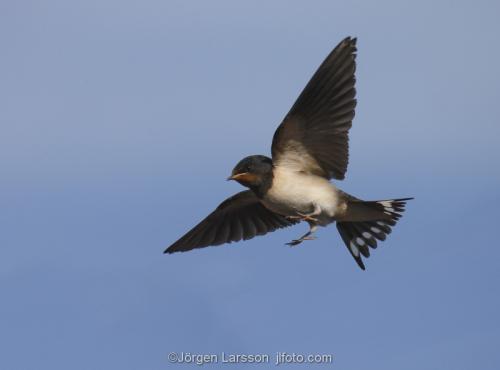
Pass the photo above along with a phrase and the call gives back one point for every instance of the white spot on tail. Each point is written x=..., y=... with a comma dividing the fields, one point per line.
x=354, y=248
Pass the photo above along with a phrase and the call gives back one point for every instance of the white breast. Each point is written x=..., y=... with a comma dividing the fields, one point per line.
x=294, y=191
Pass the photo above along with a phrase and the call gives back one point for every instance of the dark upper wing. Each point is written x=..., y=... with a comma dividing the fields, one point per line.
x=241, y=216
x=313, y=136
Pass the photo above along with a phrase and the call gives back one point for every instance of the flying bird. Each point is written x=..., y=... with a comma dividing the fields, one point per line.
x=309, y=148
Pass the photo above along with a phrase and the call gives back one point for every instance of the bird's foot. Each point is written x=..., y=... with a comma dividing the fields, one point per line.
x=295, y=242
x=303, y=217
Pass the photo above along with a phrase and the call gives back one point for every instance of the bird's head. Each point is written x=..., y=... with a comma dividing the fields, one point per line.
x=252, y=171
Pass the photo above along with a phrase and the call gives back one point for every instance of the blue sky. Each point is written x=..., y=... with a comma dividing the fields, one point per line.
x=120, y=121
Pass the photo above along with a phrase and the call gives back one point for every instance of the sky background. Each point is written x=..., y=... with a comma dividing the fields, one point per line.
x=120, y=121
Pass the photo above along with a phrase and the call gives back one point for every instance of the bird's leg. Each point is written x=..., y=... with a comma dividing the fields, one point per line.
x=306, y=236
x=307, y=216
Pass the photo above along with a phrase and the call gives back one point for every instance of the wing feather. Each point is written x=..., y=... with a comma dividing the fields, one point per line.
x=313, y=137
x=241, y=216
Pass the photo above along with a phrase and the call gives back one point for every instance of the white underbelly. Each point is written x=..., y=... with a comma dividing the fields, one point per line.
x=293, y=192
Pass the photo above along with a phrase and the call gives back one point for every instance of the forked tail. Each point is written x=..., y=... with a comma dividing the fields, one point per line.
x=366, y=222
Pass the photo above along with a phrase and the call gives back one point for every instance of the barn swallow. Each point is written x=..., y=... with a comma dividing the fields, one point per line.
x=309, y=148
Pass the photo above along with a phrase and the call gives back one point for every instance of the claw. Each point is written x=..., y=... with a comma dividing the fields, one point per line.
x=305, y=217
x=302, y=217
x=313, y=225
x=294, y=242
x=307, y=236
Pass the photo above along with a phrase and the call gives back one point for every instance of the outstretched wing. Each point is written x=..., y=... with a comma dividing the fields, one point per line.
x=241, y=216
x=313, y=137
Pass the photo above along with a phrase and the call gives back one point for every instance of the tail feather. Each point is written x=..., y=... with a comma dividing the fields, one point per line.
x=360, y=236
